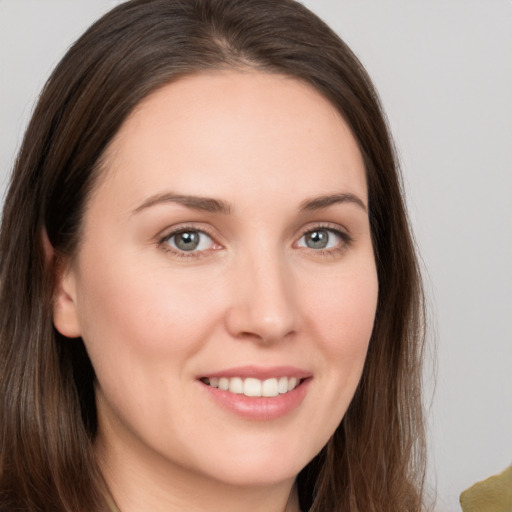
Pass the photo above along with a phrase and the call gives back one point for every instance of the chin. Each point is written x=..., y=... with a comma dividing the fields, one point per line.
x=244, y=475
x=259, y=467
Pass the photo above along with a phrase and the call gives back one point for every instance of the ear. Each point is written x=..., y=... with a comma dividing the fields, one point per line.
x=65, y=314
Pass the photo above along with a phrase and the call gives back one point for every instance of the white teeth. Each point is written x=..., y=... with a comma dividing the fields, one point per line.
x=282, y=387
x=269, y=388
x=236, y=385
x=254, y=387
x=223, y=383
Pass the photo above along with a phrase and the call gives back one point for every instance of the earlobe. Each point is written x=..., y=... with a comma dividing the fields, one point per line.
x=65, y=313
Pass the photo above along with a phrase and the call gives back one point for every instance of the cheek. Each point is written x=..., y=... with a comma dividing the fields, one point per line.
x=134, y=317
x=342, y=315
x=344, y=311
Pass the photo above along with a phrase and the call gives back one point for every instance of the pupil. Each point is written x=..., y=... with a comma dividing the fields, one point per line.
x=187, y=241
x=317, y=239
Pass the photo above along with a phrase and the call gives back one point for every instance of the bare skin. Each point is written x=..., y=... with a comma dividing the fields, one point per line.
x=228, y=238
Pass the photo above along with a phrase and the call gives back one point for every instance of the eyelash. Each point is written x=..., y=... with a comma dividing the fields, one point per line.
x=164, y=245
x=346, y=241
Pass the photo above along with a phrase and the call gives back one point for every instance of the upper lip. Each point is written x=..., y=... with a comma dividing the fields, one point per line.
x=260, y=372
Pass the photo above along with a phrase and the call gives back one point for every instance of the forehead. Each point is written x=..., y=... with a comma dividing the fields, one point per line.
x=229, y=132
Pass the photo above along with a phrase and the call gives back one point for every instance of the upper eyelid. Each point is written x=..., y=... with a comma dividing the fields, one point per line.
x=209, y=231
x=324, y=225
x=346, y=238
x=180, y=228
x=162, y=243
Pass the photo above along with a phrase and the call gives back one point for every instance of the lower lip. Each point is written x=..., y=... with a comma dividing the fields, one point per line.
x=259, y=408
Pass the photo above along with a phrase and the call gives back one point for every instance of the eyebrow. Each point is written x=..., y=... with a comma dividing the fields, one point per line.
x=317, y=203
x=212, y=205
x=206, y=204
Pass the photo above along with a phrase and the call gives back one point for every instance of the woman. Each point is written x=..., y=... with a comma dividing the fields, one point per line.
x=209, y=294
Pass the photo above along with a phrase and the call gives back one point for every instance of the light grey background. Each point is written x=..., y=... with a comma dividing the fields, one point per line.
x=444, y=72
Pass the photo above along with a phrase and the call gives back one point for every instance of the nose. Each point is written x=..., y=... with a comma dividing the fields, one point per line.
x=263, y=306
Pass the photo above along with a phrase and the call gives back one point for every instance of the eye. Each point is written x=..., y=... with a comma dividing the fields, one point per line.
x=189, y=240
x=323, y=238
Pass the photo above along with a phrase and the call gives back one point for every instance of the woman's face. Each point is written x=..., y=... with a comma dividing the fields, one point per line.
x=227, y=245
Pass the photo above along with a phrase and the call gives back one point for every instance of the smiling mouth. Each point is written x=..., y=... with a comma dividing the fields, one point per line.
x=253, y=387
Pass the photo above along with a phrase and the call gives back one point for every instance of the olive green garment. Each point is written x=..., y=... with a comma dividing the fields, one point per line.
x=491, y=495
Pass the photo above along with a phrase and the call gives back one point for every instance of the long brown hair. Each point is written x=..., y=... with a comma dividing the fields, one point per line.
x=375, y=459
